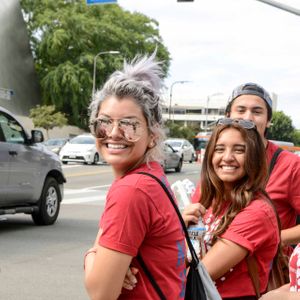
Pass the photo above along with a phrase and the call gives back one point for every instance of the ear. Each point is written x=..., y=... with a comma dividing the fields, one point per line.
x=152, y=142
x=268, y=124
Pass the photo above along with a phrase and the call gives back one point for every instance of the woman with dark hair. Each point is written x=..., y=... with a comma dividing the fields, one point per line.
x=239, y=219
x=138, y=219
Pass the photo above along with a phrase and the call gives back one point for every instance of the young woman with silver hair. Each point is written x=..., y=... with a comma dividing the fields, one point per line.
x=138, y=219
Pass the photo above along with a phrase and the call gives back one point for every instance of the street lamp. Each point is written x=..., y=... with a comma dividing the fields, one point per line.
x=95, y=62
x=207, y=101
x=171, y=89
x=282, y=6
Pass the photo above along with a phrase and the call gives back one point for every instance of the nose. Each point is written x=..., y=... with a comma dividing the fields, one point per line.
x=228, y=155
x=115, y=130
x=248, y=115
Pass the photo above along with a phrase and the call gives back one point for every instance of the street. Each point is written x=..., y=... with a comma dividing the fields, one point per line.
x=46, y=263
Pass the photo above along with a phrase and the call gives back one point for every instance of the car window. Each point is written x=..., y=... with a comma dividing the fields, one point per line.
x=83, y=140
x=54, y=142
x=11, y=130
x=175, y=144
x=168, y=149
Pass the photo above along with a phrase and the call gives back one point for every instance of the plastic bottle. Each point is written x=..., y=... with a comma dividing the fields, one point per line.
x=196, y=234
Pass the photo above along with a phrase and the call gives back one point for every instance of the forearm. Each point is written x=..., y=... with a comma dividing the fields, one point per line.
x=105, y=271
x=281, y=295
x=290, y=236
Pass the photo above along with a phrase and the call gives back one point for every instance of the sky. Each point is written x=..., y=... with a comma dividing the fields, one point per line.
x=219, y=44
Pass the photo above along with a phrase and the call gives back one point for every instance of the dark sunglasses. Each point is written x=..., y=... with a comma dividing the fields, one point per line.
x=131, y=128
x=247, y=124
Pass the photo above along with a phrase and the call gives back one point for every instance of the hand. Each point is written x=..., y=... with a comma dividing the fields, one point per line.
x=192, y=212
x=130, y=280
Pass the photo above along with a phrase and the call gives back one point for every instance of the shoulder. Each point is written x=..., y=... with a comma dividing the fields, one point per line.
x=258, y=211
x=286, y=160
x=134, y=187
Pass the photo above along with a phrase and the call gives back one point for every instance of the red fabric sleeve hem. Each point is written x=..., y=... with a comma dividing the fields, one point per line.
x=118, y=247
x=239, y=240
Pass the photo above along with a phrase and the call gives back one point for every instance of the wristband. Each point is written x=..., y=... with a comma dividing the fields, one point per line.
x=92, y=250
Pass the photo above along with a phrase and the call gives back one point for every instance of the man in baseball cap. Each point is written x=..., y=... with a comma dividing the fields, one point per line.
x=252, y=102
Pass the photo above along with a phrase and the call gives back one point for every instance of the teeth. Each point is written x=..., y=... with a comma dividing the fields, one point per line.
x=114, y=146
x=228, y=168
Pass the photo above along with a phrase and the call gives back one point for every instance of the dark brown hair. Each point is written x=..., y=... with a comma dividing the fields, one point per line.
x=245, y=189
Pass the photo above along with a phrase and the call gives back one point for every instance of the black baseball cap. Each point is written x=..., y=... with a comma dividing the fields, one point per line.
x=251, y=89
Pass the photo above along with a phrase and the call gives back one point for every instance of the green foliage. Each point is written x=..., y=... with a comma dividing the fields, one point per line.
x=46, y=117
x=65, y=37
x=296, y=137
x=282, y=128
x=178, y=130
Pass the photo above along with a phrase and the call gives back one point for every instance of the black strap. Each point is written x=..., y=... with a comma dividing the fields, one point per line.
x=274, y=159
x=195, y=259
x=151, y=278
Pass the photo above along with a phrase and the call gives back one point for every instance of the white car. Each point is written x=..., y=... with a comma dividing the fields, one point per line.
x=184, y=148
x=81, y=148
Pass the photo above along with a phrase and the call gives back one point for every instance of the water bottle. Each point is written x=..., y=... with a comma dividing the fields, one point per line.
x=196, y=233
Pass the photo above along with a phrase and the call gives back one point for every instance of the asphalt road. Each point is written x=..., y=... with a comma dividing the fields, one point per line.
x=46, y=263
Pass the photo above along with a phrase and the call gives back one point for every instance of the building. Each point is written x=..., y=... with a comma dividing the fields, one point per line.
x=201, y=116
x=19, y=89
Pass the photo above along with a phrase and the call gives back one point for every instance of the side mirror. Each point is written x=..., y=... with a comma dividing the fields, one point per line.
x=37, y=136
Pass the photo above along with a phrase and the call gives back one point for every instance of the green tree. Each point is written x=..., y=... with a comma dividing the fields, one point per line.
x=296, y=137
x=46, y=117
x=282, y=128
x=178, y=130
x=65, y=37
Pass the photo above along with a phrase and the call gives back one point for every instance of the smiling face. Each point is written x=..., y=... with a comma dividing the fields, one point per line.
x=251, y=107
x=120, y=153
x=228, y=158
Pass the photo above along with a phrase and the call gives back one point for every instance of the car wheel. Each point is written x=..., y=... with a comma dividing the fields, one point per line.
x=179, y=167
x=96, y=159
x=49, y=203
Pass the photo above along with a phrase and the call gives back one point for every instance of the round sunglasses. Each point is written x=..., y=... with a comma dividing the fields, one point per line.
x=247, y=124
x=130, y=128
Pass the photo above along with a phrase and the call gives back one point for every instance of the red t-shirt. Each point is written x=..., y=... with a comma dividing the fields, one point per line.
x=139, y=218
x=283, y=186
x=253, y=228
x=294, y=268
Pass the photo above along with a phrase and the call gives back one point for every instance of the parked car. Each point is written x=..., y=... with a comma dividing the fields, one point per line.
x=31, y=176
x=55, y=145
x=172, y=159
x=81, y=148
x=184, y=148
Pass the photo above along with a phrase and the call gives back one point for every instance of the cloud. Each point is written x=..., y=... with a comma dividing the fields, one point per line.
x=218, y=44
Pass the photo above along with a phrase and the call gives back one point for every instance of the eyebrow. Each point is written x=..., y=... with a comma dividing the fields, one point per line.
x=254, y=107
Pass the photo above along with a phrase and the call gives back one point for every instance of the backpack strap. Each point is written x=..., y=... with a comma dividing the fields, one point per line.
x=251, y=260
x=253, y=273
x=274, y=159
x=151, y=278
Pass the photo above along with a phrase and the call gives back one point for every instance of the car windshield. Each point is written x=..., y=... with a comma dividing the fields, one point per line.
x=58, y=142
x=175, y=144
x=83, y=140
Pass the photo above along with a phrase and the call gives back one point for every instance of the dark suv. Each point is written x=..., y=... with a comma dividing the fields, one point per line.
x=31, y=176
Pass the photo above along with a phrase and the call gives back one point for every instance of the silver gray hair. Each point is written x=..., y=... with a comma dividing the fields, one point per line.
x=141, y=80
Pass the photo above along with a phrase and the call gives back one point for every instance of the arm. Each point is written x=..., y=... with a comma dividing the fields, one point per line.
x=231, y=254
x=105, y=271
x=282, y=293
x=290, y=236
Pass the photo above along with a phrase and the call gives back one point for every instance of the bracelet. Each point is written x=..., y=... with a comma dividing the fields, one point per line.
x=92, y=250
